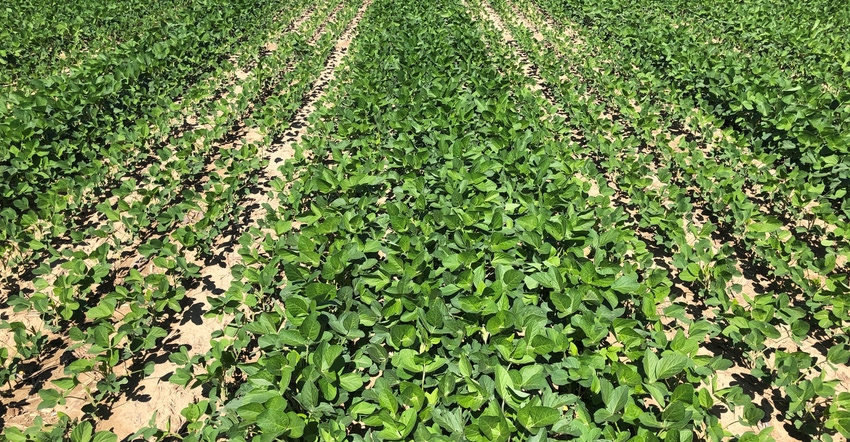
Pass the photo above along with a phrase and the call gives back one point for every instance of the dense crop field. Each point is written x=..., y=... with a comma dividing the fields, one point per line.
x=485, y=220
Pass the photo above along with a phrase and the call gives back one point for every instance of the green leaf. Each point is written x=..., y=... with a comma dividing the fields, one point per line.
x=650, y=365
x=448, y=420
x=602, y=415
x=387, y=401
x=49, y=398
x=658, y=391
x=82, y=432
x=617, y=399
x=690, y=273
x=503, y=381
x=770, y=224
x=705, y=399
x=309, y=396
x=838, y=354
x=494, y=428
x=152, y=335
x=674, y=413
x=13, y=434
x=670, y=365
x=350, y=382
x=65, y=383
x=626, y=284
x=320, y=291
x=512, y=279
x=840, y=422
x=329, y=355
x=292, y=337
x=104, y=309
x=499, y=322
x=107, y=210
x=528, y=222
x=362, y=409
x=752, y=414
x=451, y=261
x=684, y=393
x=412, y=395
x=402, y=335
x=180, y=377
x=310, y=328
x=534, y=416
x=404, y=359
x=105, y=436
x=273, y=421
x=464, y=366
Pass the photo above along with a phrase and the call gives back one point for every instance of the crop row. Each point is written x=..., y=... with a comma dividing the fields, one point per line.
x=43, y=37
x=798, y=123
x=118, y=309
x=505, y=220
x=438, y=269
x=698, y=217
x=719, y=175
x=68, y=138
